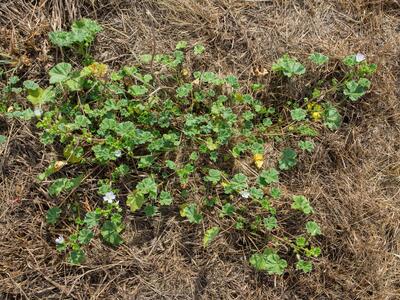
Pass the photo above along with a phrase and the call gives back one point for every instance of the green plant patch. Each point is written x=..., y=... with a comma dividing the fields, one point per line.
x=159, y=139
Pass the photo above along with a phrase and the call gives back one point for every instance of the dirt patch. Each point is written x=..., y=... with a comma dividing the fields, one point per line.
x=353, y=178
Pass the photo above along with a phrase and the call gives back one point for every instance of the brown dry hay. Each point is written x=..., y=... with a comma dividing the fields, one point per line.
x=353, y=177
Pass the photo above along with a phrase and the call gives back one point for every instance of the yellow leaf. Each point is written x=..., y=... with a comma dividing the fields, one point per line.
x=259, y=163
x=310, y=106
x=316, y=115
x=97, y=69
x=258, y=156
x=315, y=111
x=185, y=72
x=258, y=160
x=59, y=164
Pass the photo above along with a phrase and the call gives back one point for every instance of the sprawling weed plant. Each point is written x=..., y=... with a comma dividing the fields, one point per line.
x=176, y=132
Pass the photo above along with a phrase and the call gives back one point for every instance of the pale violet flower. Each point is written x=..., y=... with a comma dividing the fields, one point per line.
x=109, y=197
x=60, y=240
x=245, y=194
x=118, y=153
x=360, y=57
x=38, y=111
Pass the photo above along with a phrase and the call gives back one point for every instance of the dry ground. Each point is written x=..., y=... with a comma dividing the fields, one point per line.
x=353, y=177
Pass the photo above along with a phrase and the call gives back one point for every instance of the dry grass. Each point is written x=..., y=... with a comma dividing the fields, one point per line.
x=353, y=177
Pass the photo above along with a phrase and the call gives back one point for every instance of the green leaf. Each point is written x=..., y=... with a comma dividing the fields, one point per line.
x=146, y=58
x=288, y=159
x=103, y=153
x=75, y=83
x=354, y=90
x=92, y=219
x=227, y=210
x=190, y=211
x=82, y=121
x=137, y=90
x=313, y=252
x=306, y=146
x=275, y=193
x=181, y=45
x=318, y=58
x=350, y=60
x=85, y=30
x=73, y=154
x=301, y=242
x=60, y=247
x=367, y=69
x=194, y=156
x=232, y=81
x=150, y=210
x=298, y=114
x=198, y=49
x=184, y=90
x=165, y=198
x=272, y=263
x=305, y=266
x=60, y=72
x=258, y=261
x=76, y=257
x=63, y=184
x=303, y=204
x=135, y=200
x=3, y=139
x=288, y=66
x=306, y=130
x=147, y=187
x=62, y=38
x=85, y=236
x=237, y=184
x=331, y=116
x=146, y=162
x=53, y=214
x=256, y=193
x=210, y=235
x=170, y=164
x=313, y=228
x=211, y=145
x=31, y=85
x=214, y=176
x=268, y=176
x=110, y=233
x=270, y=223
x=41, y=96
x=257, y=87
x=126, y=129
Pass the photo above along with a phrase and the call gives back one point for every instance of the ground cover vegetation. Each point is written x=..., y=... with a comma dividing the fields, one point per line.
x=177, y=132
x=196, y=149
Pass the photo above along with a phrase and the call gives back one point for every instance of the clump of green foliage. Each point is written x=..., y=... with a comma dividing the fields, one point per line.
x=82, y=34
x=166, y=129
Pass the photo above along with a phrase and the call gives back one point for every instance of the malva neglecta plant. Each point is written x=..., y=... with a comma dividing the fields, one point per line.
x=170, y=132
